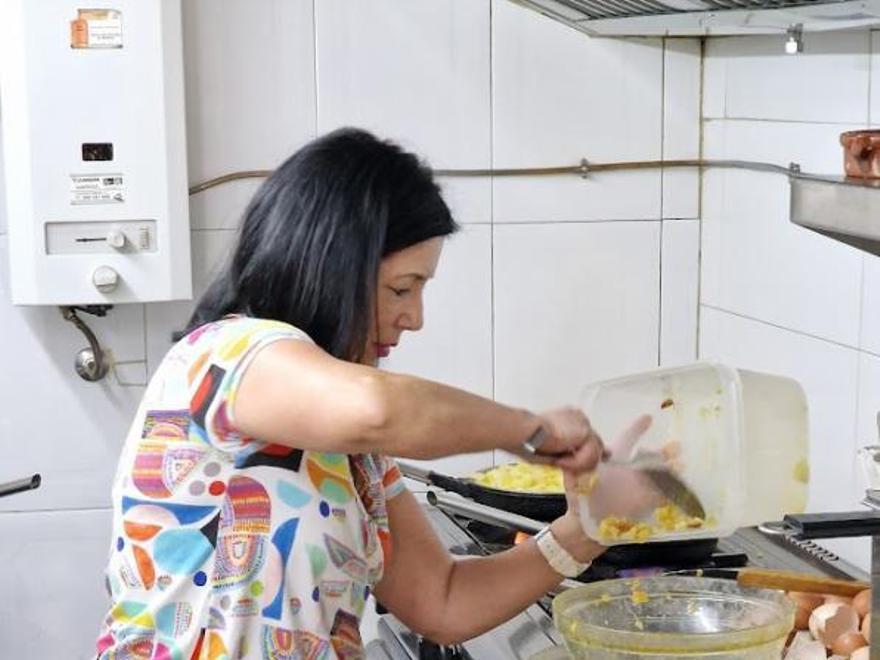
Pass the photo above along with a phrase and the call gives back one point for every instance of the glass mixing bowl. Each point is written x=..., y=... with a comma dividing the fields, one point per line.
x=673, y=617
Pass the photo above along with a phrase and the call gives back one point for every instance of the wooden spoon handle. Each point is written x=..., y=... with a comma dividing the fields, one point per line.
x=787, y=581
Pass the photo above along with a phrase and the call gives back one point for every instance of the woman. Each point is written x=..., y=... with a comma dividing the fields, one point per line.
x=255, y=506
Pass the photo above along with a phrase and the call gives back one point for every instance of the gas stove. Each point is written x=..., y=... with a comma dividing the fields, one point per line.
x=532, y=631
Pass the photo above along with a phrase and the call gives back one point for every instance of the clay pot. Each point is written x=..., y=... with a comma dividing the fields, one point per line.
x=861, y=153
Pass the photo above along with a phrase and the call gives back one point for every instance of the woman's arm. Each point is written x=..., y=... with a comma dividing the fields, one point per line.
x=450, y=600
x=295, y=394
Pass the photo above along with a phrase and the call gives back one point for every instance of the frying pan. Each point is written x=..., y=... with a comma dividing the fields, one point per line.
x=546, y=507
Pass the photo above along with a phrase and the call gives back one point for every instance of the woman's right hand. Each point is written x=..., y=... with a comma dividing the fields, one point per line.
x=570, y=442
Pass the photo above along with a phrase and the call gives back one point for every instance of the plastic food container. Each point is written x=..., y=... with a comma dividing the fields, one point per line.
x=673, y=617
x=738, y=439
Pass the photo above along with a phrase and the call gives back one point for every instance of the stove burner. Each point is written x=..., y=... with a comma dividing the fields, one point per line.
x=429, y=650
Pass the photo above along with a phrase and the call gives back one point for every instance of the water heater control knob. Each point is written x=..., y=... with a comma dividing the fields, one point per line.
x=116, y=239
x=105, y=279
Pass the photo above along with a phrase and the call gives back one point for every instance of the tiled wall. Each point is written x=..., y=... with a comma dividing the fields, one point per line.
x=775, y=296
x=553, y=283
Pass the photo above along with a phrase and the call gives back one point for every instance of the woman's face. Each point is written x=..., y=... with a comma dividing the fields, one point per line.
x=402, y=279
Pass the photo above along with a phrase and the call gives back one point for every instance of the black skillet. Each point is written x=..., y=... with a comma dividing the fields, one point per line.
x=546, y=507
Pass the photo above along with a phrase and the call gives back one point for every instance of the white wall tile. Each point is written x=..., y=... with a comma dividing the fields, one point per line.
x=865, y=434
x=455, y=345
x=858, y=550
x=869, y=334
x=681, y=125
x=574, y=303
x=250, y=83
x=53, y=582
x=417, y=73
x=715, y=78
x=210, y=250
x=3, y=221
x=814, y=146
x=560, y=96
x=829, y=376
x=751, y=77
x=222, y=207
x=76, y=428
x=679, y=291
x=833, y=379
x=757, y=263
x=868, y=407
x=875, y=78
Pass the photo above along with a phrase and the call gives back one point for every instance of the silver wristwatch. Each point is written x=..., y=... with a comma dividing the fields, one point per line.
x=534, y=441
x=558, y=557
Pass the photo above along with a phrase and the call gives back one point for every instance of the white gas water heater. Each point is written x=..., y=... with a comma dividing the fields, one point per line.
x=94, y=146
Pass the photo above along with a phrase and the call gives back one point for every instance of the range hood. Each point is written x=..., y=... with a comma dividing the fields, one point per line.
x=708, y=17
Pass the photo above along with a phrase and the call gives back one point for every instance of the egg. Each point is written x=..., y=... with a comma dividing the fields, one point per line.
x=802, y=618
x=866, y=627
x=863, y=653
x=862, y=602
x=807, y=601
x=847, y=643
x=831, y=620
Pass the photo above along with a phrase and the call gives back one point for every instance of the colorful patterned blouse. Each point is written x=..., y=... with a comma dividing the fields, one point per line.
x=228, y=547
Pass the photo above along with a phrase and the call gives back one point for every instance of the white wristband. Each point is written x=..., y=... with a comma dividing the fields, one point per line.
x=558, y=557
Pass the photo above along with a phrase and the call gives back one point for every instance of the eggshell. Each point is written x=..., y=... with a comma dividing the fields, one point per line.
x=802, y=618
x=831, y=620
x=806, y=651
x=847, y=643
x=866, y=627
x=862, y=602
x=804, y=647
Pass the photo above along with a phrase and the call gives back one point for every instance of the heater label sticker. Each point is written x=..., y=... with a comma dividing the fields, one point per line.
x=96, y=28
x=96, y=189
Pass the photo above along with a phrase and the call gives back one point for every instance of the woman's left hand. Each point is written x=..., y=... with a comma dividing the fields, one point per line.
x=568, y=530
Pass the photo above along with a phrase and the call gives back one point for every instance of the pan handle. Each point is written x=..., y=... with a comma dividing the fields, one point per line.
x=20, y=485
x=432, y=478
x=415, y=473
x=451, y=484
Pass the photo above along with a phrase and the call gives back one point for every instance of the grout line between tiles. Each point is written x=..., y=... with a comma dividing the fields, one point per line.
x=870, y=76
x=764, y=120
x=315, y=61
x=801, y=333
x=662, y=199
x=856, y=412
x=144, y=320
x=538, y=223
x=700, y=174
x=85, y=509
x=492, y=199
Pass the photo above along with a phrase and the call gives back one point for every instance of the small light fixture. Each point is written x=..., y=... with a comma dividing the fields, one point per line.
x=794, y=42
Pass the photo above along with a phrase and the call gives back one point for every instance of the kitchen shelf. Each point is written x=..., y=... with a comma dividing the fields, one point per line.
x=845, y=209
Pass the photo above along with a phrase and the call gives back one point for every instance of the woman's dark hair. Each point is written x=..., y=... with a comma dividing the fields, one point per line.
x=314, y=233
